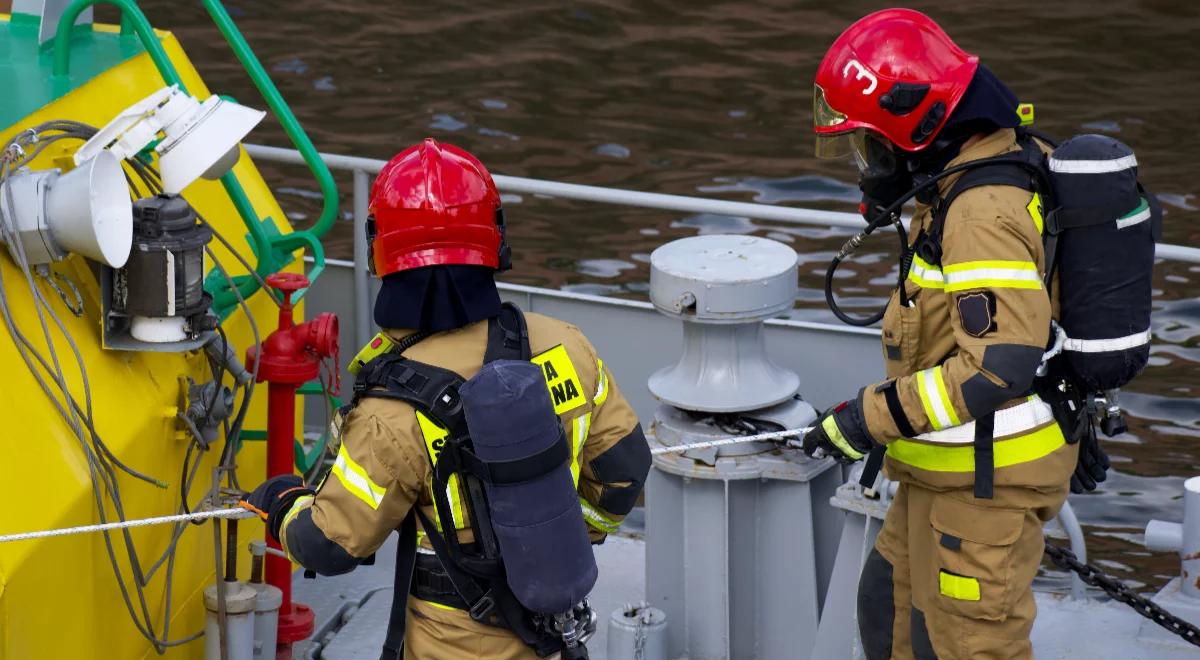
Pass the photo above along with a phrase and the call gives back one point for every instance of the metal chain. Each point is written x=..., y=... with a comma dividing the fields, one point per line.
x=1118, y=591
x=639, y=639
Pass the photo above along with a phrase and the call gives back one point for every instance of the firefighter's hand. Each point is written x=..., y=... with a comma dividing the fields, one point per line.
x=839, y=433
x=274, y=498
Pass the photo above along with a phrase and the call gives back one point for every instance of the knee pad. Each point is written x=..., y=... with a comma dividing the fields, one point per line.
x=876, y=607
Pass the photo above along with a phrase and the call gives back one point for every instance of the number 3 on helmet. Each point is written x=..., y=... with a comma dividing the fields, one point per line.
x=435, y=205
x=895, y=73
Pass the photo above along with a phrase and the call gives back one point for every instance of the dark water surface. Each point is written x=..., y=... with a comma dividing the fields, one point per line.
x=714, y=98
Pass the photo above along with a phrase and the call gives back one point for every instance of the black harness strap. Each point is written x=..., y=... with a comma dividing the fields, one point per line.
x=1020, y=169
x=871, y=467
x=985, y=460
x=507, y=472
x=406, y=559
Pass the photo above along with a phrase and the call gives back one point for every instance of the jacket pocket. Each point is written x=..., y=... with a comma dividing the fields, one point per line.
x=901, y=333
x=974, y=557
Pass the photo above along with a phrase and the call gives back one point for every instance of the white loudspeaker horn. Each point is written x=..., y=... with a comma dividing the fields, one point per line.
x=204, y=142
x=89, y=213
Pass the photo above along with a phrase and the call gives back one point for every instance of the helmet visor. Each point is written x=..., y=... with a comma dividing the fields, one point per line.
x=829, y=144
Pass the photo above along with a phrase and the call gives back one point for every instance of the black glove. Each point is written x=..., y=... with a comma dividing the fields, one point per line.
x=274, y=498
x=1092, y=466
x=840, y=433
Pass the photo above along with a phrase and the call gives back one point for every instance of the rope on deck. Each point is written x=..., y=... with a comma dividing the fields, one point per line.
x=735, y=440
x=237, y=512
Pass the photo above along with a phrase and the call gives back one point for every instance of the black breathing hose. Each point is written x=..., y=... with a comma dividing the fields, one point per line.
x=891, y=215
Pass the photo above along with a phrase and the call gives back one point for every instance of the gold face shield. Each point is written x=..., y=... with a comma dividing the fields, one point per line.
x=824, y=116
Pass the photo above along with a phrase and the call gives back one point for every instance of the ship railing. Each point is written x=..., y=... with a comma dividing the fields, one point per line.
x=362, y=169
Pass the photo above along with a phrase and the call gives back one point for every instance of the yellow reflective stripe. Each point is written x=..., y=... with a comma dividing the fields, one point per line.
x=601, y=385
x=561, y=379
x=957, y=586
x=354, y=478
x=961, y=458
x=580, y=425
x=596, y=518
x=439, y=605
x=1035, y=212
x=992, y=275
x=299, y=505
x=829, y=425
x=935, y=399
x=435, y=438
x=925, y=275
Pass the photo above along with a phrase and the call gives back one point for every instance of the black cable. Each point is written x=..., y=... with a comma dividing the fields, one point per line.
x=890, y=215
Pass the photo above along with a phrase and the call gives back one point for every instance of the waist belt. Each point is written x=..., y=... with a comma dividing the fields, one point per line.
x=1031, y=414
x=431, y=583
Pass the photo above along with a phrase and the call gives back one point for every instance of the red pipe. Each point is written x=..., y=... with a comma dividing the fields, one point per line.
x=296, y=620
x=291, y=356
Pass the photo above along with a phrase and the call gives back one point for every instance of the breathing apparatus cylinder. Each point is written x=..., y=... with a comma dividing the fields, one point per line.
x=1106, y=226
x=534, y=506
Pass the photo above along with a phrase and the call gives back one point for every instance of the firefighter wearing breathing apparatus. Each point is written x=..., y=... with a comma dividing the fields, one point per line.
x=501, y=435
x=976, y=443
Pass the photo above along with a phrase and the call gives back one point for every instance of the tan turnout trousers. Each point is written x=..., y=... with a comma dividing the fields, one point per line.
x=951, y=575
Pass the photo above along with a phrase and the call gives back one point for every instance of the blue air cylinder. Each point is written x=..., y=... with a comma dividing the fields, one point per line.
x=538, y=522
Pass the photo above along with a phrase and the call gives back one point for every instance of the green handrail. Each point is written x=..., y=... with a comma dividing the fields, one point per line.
x=271, y=251
x=131, y=18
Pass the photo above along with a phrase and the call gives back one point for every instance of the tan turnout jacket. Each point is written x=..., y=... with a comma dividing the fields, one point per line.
x=969, y=342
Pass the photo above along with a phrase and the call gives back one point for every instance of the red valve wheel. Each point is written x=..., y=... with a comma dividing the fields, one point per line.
x=287, y=282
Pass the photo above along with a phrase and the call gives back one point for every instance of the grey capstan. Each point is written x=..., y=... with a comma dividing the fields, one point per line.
x=723, y=288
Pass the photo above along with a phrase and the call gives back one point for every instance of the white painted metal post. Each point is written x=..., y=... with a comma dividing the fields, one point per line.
x=1191, y=537
x=362, y=277
x=1070, y=524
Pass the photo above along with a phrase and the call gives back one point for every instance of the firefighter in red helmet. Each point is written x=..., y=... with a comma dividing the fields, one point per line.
x=981, y=462
x=437, y=238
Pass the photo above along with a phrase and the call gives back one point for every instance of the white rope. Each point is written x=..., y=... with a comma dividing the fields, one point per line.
x=143, y=522
x=773, y=435
x=242, y=513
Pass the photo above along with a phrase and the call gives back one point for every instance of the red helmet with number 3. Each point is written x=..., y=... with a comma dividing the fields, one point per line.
x=435, y=205
x=894, y=72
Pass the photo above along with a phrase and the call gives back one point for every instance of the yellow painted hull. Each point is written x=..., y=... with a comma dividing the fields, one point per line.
x=58, y=597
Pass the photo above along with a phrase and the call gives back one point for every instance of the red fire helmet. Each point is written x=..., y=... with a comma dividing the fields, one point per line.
x=894, y=72
x=435, y=204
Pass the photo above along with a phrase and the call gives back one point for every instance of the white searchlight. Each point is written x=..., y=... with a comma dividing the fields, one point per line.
x=85, y=211
x=196, y=139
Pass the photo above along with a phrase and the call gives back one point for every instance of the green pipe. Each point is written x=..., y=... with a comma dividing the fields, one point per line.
x=131, y=18
x=279, y=106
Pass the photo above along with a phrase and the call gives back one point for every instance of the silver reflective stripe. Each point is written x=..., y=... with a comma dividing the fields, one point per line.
x=1107, y=345
x=1136, y=218
x=1092, y=166
x=1010, y=421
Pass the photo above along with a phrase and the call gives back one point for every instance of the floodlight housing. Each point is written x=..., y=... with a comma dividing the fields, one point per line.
x=195, y=138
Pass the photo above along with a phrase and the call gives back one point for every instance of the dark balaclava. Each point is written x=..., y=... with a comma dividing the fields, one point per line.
x=987, y=105
x=436, y=298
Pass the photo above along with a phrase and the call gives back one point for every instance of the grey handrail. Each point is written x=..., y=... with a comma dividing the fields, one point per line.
x=681, y=203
